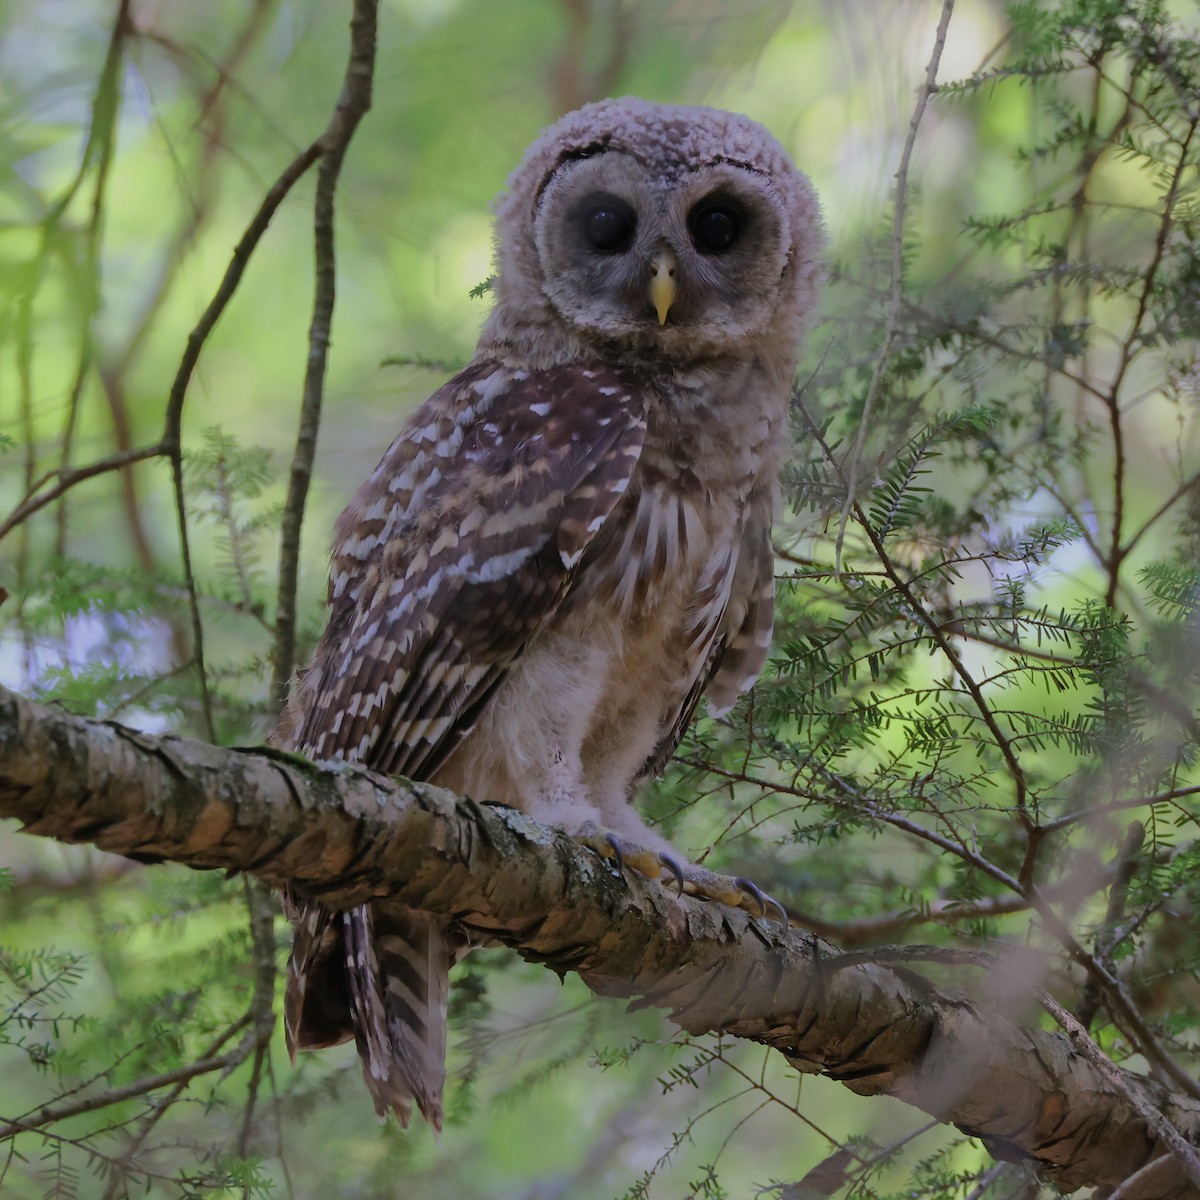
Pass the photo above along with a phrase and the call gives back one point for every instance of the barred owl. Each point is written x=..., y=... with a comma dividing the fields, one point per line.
x=568, y=544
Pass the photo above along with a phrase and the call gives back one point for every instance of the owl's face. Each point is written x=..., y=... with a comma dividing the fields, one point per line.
x=627, y=250
x=677, y=230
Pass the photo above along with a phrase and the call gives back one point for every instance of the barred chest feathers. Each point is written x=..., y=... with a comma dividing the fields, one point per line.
x=602, y=692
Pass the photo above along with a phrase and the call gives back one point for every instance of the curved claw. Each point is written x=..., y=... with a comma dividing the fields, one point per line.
x=618, y=851
x=783, y=917
x=675, y=867
x=752, y=889
x=765, y=902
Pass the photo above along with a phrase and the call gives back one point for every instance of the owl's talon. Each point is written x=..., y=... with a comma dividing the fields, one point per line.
x=675, y=867
x=752, y=889
x=635, y=857
x=687, y=878
x=764, y=901
x=783, y=917
x=618, y=851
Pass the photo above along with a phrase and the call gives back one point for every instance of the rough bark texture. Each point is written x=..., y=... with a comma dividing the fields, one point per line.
x=349, y=836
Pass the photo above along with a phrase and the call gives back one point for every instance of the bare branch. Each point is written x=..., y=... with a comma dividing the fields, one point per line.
x=66, y=478
x=184, y=1074
x=1117, y=553
x=349, y=836
x=897, y=285
x=352, y=106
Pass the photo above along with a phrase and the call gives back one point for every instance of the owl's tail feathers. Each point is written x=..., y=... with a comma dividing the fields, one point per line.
x=398, y=968
x=382, y=980
x=316, y=1000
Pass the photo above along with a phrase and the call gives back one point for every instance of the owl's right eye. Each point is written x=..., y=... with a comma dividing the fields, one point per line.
x=608, y=225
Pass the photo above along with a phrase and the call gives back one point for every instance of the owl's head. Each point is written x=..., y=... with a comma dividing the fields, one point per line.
x=658, y=229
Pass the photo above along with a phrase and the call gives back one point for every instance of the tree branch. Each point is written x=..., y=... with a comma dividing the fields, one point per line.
x=897, y=281
x=352, y=106
x=348, y=836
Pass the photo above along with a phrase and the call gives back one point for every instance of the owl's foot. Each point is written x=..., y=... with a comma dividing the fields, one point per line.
x=695, y=881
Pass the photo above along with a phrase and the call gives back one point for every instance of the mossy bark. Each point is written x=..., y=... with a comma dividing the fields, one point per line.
x=347, y=836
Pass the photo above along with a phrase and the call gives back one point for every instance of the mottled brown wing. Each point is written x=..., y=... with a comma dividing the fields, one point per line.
x=459, y=546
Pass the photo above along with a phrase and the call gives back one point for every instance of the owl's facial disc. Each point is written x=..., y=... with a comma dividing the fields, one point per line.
x=672, y=261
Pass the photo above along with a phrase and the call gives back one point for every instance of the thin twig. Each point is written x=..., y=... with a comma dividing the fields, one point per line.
x=98, y=143
x=569, y=81
x=211, y=114
x=987, y=1179
x=122, y=428
x=101, y=143
x=207, y=1063
x=112, y=372
x=1184, y=489
x=1118, y=553
x=1106, y=939
x=1139, y=1176
x=118, y=1177
x=1120, y=1004
x=171, y=443
x=944, y=644
x=1085, y=814
x=36, y=498
x=897, y=288
x=937, y=912
x=83, y=362
x=352, y=105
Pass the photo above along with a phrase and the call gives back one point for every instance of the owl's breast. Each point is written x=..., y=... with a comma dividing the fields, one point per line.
x=664, y=554
x=653, y=591
x=598, y=690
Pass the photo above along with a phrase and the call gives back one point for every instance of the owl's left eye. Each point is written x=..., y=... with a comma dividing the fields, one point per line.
x=714, y=227
x=608, y=225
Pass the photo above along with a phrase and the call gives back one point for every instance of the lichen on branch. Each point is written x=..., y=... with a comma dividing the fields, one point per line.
x=348, y=835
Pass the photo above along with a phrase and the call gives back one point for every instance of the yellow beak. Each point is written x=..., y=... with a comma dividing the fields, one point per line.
x=662, y=283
